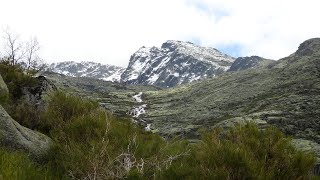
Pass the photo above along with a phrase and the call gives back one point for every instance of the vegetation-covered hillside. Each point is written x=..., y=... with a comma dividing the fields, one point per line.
x=88, y=142
x=285, y=94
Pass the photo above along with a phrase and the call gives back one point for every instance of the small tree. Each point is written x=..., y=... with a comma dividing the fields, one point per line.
x=23, y=53
x=13, y=47
x=33, y=62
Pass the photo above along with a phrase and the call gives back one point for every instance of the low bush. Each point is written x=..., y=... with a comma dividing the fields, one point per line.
x=90, y=143
x=16, y=165
x=25, y=113
x=3, y=98
x=15, y=78
x=245, y=152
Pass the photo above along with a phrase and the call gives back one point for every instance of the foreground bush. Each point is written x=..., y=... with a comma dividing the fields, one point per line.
x=245, y=152
x=15, y=78
x=15, y=165
x=17, y=81
x=90, y=143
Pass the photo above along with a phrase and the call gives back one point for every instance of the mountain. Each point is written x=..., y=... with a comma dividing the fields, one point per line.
x=242, y=63
x=283, y=93
x=87, y=69
x=175, y=63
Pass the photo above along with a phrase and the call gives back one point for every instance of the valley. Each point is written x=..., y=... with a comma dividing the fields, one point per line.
x=283, y=93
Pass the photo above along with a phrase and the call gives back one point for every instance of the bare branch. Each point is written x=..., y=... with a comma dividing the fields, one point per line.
x=14, y=48
x=32, y=58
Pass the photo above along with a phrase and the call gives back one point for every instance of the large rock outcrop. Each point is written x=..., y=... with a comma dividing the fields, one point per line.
x=35, y=95
x=13, y=136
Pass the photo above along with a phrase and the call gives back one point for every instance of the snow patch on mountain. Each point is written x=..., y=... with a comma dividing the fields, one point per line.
x=175, y=63
x=87, y=69
x=114, y=77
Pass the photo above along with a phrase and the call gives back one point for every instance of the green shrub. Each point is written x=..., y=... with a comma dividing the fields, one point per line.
x=245, y=152
x=63, y=108
x=16, y=165
x=90, y=143
x=16, y=79
x=3, y=98
x=25, y=113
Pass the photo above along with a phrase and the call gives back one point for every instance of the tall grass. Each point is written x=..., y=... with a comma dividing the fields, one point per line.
x=17, y=165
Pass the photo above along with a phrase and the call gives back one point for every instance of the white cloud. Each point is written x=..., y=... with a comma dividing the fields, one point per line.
x=110, y=31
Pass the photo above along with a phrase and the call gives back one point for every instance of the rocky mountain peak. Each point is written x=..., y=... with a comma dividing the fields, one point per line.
x=87, y=69
x=203, y=53
x=176, y=62
x=309, y=47
x=173, y=44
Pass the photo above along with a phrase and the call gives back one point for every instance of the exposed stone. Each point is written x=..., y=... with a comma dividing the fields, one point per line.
x=13, y=136
x=35, y=95
x=242, y=63
x=309, y=47
x=175, y=63
x=87, y=69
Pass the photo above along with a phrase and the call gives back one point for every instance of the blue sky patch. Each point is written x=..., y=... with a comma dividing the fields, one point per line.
x=233, y=50
x=217, y=12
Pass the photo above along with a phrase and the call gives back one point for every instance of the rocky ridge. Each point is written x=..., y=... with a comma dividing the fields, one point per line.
x=87, y=69
x=175, y=63
x=242, y=63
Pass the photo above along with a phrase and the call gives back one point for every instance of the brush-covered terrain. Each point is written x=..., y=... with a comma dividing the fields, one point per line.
x=238, y=125
x=284, y=93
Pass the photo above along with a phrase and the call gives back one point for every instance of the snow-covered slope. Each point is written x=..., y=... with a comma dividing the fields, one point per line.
x=175, y=63
x=88, y=69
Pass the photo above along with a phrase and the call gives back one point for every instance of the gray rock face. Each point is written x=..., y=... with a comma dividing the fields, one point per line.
x=35, y=95
x=16, y=137
x=87, y=69
x=309, y=47
x=175, y=63
x=243, y=63
x=4, y=93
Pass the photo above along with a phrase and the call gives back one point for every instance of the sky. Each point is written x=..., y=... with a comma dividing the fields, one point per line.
x=110, y=31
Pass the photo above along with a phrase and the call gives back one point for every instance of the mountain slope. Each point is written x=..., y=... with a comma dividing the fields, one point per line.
x=87, y=69
x=117, y=97
x=286, y=93
x=242, y=63
x=175, y=63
